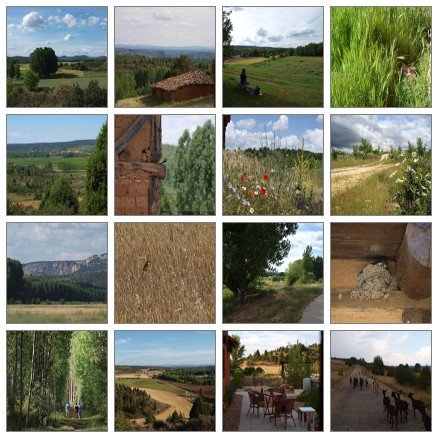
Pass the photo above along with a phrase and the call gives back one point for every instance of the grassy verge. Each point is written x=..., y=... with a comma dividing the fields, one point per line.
x=149, y=101
x=351, y=161
x=276, y=303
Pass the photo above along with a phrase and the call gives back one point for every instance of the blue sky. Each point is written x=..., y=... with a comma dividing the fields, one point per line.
x=395, y=347
x=52, y=128
x=32, y=242
x=307, y=234
x=68, y=31
x=276, y=26
x=168, y=348
x=381, y=130
x=246, y=131
x=270, y=340
x=173, y=126
x=165, y=26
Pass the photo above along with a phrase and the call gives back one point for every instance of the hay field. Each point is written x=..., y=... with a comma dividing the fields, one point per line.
x=178, y=284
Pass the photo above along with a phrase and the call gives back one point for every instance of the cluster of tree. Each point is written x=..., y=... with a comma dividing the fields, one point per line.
x=285, y=156
x=198, y=376
x=189, y=187
x=46, y=369
x=13, y=69
x=311, y=49
x=136, y=74
x=92, y=64
x=365, y=150
x=306, y=270
x=26, y=291
x=251, y=249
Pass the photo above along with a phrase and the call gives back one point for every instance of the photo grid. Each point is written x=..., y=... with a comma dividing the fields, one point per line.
x=216, y=216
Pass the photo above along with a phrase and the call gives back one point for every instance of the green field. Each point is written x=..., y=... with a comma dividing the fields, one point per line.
x=150, y=384
x=60, y=163
x=293, y=81
x=149, y=101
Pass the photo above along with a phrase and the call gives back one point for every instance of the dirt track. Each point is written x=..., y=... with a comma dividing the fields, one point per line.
x=344, y=178
x=362, y=410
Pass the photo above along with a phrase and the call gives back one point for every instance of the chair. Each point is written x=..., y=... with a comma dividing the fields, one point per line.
x=284, y=407
x=256, y=400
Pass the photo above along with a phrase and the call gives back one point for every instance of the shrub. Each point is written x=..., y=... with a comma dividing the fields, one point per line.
x=94, y=96
x=228, y=301
x=30, y=80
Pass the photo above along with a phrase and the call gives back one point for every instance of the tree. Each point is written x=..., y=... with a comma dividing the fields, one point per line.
x=30, y=80
x=182, y=64
x=60, y=199
x=43, y=61
x=307, y=265
x=318, y=267
x=15, y=280
x=94, y=96
x=378, y=367
x=237, y=355
x=417, y=368
x=227, y=28
x=250, y=249
x=199, y=408
x=95, y=197
x=293, y=272
x=298, y=366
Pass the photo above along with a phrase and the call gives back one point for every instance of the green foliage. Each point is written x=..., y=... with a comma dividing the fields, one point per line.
x=237, y=356
x=412, y=190
x=298, y=365
x=94, y=96
x=194, y=171
x=14, y=275
x=378, y=367
x=95, y=197
x=13, y=69
x=60, y=199
x=125, y=85
x=30, y=80
x=199, y=408
x=250, y=250
x=227, y=29
x=305, y=270
x=182, y=64
x=43, y=61
x=365, y=150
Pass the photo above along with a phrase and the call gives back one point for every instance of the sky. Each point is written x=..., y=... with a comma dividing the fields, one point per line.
x=165, y=26
x=380, y=130
x=68, y=31
x=52, y=128
x=172, y=127
x=167, y=348
x=307, y=234
x=33, y=242
x=276, y=26
x=395, y=347
x=246, y=131
x=270, y=340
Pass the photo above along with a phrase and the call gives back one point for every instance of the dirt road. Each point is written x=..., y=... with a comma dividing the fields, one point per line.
x=362, y=410
x=344, y=178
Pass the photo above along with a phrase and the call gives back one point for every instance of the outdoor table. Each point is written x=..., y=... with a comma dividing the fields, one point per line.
x=307, y=411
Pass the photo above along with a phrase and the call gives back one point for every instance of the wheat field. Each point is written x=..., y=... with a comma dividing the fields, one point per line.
x=165, y=273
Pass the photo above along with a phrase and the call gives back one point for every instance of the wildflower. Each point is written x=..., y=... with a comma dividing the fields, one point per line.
x=263, y=191
x=251, y=194
x=392, y=174
x=245, y=202
x=258, y=186
x=266, y=177
x=244, y=188
x=244, y=176
x=225, y=178
x=414, y=154
x=251, y=210
x=229, y=186
x=416, y=160
x=298, y=192
x=398, y=180
x=272, y=170
x=233, y=189
x=256, y=193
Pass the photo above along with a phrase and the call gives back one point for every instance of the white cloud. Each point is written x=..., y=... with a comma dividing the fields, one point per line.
x=314, y=140
x=68, y=37
x=261, y=32
x=54, y=19
x=320, y=118
x=92, y=20
x=173, y=126
x=104, y=22
x=70, y=20
x=162, y=15
x=246, y=123
x=281, y=124
x=33, y=20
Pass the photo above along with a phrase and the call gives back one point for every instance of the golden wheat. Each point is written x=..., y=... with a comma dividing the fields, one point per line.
x=178, y=285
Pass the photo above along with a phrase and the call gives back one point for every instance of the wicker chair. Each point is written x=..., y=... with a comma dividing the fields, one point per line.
x=283, y=407
x=256, y=401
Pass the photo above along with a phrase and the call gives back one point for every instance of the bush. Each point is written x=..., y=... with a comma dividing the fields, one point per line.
x=94, y=96
x=228, y=301
x=30, y=80
x=61, y=199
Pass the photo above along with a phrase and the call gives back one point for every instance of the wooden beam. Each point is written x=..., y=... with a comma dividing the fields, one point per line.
x=153, y=169
x=123, y=141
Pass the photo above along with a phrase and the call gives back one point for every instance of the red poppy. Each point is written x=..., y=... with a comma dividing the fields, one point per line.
x=266, y=177
x=263, y=191
x=251, y=194
x=245, y=176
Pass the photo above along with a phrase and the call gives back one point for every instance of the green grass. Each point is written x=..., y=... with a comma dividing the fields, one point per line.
x=368, y=46
x=370, y=197
x=149, y=101
x=293, y=81
x=74, y=164
x=351, y=161
x=150, y=384
x=277, y=303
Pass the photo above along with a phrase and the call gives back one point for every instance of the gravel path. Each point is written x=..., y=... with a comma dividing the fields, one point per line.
x=231, y=418
x=314, y=312
x=362, y=410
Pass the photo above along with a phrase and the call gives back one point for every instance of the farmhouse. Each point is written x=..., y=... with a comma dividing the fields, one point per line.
x=184, y=87
x=228, y=345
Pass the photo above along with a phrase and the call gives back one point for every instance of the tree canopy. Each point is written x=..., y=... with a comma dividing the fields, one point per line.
x=227, y=28
x=43, y=61
x=61, y=198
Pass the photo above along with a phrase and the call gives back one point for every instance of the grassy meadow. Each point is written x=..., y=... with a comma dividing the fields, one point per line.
x=274, y=302
x=292, y=81
x=56, y=313
x=149, y=384
x=164, y=273
x=369, y=46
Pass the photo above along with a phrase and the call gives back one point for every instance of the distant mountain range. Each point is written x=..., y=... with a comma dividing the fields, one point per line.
x=76, y=58
x=92, y=270
x=195, y=52
x=42, y=146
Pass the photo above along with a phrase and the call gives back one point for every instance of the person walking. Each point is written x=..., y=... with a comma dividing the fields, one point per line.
x=67, y=410
x=79, y=410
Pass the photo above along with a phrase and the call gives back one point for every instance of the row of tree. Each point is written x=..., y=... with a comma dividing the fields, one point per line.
x=306, y=270
x=47, y=369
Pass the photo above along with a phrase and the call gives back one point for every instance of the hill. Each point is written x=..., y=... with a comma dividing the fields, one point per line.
x=92, y=270
x=13, y=147
x=76, y=58
x=194, y=52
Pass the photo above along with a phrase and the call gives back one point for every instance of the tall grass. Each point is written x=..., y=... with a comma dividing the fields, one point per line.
x=178, y=283
x=368, y=46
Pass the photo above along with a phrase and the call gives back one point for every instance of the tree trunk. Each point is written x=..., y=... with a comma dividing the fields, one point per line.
x=20, y=419
x=32, y=373
x=13, y=396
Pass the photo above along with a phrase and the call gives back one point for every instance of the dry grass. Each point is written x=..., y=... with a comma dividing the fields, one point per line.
x=178, y=286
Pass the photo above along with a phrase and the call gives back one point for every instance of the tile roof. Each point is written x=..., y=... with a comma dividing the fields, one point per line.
x=196, y=77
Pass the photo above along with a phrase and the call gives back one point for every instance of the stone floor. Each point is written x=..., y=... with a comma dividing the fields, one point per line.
x=252, y=423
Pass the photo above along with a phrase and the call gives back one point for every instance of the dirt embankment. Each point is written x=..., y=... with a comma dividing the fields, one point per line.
x=362, y=409
x=345, y=178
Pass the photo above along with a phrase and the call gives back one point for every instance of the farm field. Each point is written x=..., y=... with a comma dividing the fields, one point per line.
x=293, y=81
x=56, y=313
x=148, y=101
